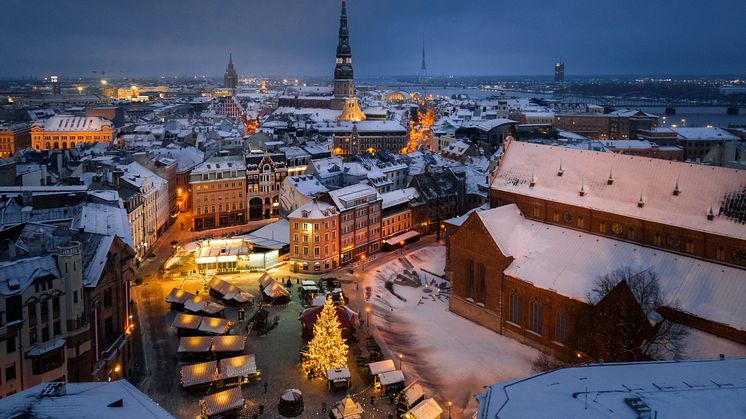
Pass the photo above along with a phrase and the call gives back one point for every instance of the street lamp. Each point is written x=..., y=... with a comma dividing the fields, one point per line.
x=357, y=282
x=401, y=360
x=362, y=257
x=367, y=319
x=449, y=409
x=401, y=247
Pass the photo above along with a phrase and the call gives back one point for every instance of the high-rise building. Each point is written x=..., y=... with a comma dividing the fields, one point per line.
x=344, y=83
x=56, y=90
x=230, y=78
x=559, y=72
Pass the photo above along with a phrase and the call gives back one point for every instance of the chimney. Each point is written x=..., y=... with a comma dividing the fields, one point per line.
x=641, y=202
x=710, y=214
x=610, y=181
x=582, y=189
x=561, y=171
x=533, y=181
x=676, y=190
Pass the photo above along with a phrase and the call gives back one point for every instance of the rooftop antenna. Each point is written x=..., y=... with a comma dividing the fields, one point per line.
x=676, y=190
x=611, y=177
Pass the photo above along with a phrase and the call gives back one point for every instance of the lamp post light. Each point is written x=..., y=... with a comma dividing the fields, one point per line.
x=401, y=247
x=401, y=360
x=357, y=282
x=449, y=409
x=362, y=257
x=367, y=319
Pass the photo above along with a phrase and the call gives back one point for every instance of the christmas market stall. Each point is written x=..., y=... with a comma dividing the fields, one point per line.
x=199, y=375
x=194, y=348
x=230, y=293
x=275, y=293
x=222, y=404
x=347, y=409
x=177, y=297
x=228, y=345
x=238, y=370
x=202, y=305
x=214, y=326
x=338, y=379
x=390, y=382
x=409, y=397
x=186, y=324
x=426, y=409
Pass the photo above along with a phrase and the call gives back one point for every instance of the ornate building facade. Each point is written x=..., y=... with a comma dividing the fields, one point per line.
x=65, y=131
x=264, y=175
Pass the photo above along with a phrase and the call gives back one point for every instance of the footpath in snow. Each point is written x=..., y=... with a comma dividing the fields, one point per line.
x=451, y=357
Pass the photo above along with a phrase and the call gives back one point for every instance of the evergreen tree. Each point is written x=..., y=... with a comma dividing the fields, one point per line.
x=327, y=350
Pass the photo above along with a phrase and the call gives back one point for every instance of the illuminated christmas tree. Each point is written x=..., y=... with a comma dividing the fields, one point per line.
x=327, y=350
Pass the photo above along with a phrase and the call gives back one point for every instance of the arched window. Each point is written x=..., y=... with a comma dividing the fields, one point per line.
x=470, y=279
x=534, y=316
x=515, y=307
x=64, y=145
x=482, y=297
x=56, y=145
x=562, y=327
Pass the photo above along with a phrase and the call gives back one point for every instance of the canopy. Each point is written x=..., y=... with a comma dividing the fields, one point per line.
x=215, y=326
x=229, y=292
x=292, y=395
x=195, y=374
x=228, y=343
x=194, y=344
x=239, y=366
x=186, y=321
x=413, y=392
x=178, y=296
x=381, y=366
x=222, y=402
x=393, y=241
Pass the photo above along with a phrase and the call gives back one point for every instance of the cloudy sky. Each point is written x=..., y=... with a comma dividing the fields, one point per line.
x=298, y=37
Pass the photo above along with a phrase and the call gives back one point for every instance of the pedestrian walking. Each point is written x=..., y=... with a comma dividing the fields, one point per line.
x=266, y=384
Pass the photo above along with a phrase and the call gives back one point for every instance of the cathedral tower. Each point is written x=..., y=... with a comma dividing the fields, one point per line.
x=344, y=83
x=230, y=78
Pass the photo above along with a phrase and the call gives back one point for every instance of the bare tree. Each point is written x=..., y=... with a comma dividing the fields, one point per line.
x=625, y=324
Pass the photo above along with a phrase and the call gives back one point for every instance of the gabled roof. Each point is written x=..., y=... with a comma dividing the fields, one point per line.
x=701, y=187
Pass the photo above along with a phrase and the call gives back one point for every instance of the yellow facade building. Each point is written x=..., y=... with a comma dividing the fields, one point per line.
x=66, y=131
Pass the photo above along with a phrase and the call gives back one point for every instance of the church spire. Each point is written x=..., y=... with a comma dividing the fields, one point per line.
x=344, y=83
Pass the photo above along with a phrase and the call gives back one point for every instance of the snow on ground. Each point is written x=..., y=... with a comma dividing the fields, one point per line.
x=453, y=358
x=702, y=345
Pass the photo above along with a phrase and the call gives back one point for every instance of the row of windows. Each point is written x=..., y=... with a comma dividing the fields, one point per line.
x=204, y=210
x=218, y=185
x=316, y=250
x=535, y=317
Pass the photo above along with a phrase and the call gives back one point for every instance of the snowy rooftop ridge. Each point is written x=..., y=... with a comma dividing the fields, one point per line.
x=75, y=123
x=568, y=262
x=701, y=187
x=680, y=389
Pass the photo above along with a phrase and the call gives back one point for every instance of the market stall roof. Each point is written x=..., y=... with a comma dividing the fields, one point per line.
x=201, y=373
x=265, y=279
x=194, y=344
x=202, y=304
x=347, y=408
x=338, y=374
x=391, y=377
x=238, y=366
x=426, y=409
x=275, y=290
x=228, y=343
x=229, y=291
x=215, y=326
x=272, y=236
x=222, y=402
x=381, y=366
x=393, y=241
x=186, y=321
x=178, y=296
x=217, y=284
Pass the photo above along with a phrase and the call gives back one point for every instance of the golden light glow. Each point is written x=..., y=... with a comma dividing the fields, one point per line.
x=327, y=350
x=420, y=134
x=116, y=369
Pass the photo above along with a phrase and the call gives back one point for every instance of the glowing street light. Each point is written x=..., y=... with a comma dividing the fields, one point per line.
x=362, y=257
x=401, y=247
x=104, y=82
x=367, y=319
x=449, y=409
x=401, y=360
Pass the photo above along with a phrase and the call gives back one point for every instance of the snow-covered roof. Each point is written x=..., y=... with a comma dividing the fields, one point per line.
x=273, y=236
x=398, y=196
x=307, y=185
x=82, y=400
x=487, y=124
x=363, y=126
x=354, y=195
x=314, y=210
x=76, y=123
x=569, y=261
x=701, y=186
x=683, y=389
x=426, y=409
x=705, y=134
x=186, y=156
x=218, y=164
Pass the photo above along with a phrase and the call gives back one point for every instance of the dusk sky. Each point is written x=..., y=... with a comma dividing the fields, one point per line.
x=298, y=37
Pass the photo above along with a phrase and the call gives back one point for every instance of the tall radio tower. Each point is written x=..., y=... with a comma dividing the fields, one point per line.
x=423, y=69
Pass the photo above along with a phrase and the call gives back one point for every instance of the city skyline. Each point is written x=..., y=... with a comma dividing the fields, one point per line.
x=488, y=38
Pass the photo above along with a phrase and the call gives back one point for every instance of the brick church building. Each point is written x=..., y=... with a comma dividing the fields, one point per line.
x=561, y=218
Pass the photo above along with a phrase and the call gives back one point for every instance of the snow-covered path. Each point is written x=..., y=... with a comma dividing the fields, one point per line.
x=453, y=358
